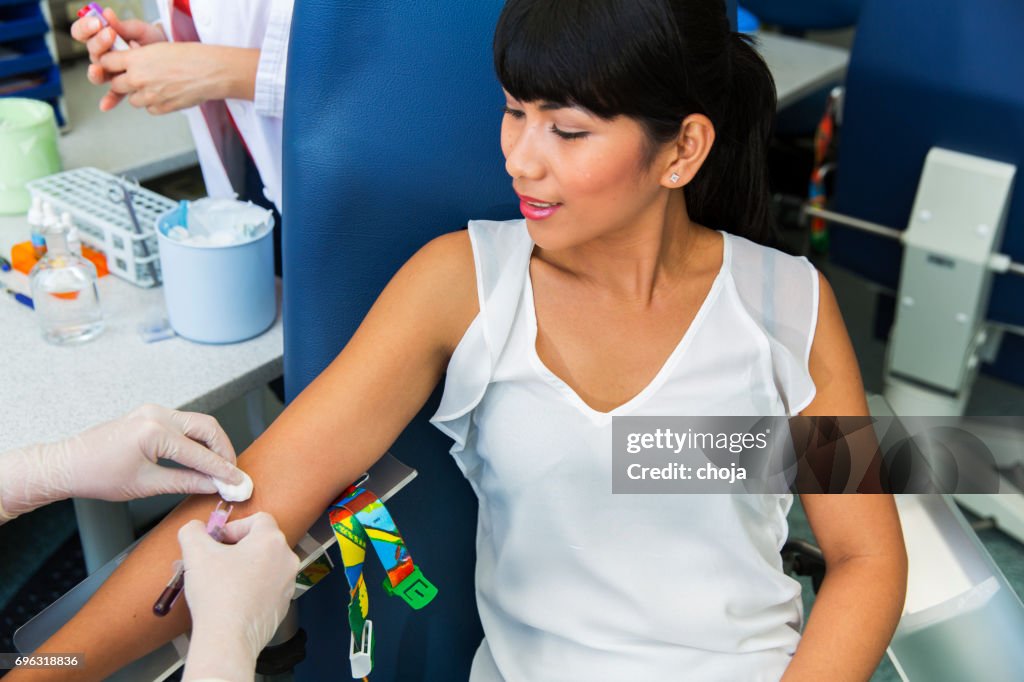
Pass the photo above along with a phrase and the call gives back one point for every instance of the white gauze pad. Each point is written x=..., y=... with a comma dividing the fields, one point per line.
x=234, y=493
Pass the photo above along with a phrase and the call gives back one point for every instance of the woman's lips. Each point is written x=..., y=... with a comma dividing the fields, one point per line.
x=532, y=212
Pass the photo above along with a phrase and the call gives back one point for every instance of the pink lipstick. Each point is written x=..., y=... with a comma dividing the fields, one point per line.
x=536, y=209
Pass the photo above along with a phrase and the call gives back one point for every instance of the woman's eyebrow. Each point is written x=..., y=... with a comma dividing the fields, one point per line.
x=551, y=106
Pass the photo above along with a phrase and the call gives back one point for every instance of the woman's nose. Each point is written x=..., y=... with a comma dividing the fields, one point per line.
x=522, y=158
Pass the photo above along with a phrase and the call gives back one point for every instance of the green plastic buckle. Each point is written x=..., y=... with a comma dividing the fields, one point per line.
x=415, y=590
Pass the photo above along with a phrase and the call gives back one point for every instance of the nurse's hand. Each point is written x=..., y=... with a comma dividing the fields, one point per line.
x=237, y=594
x=100, y=40
x=166, y=77
x=117, y=461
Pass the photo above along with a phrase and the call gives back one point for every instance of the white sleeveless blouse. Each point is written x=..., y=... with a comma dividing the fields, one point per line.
x=575, y=583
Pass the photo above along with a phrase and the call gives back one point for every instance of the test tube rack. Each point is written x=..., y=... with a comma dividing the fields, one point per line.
x=103, y=221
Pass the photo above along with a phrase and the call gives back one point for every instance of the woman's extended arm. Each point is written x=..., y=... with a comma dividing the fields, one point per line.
x=861, y=599
x=339, y=426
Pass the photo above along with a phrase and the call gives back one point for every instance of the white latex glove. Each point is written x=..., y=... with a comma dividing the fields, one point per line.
x=117, y=461
x=237, y=593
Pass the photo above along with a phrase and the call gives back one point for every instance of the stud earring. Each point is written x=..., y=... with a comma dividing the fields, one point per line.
x=674, y=177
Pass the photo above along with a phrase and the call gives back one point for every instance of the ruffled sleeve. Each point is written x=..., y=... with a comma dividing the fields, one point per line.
x=501, y=255
x=781, y=294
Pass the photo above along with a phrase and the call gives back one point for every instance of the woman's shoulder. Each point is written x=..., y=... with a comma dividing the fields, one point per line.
x=746, y=252
x=442, y=275
x=500, y=247
x=459, y=269
x=763, y=272
x=781, y=291
x=460, y=256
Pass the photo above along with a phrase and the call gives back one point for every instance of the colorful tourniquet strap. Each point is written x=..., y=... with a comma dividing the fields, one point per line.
x=358, y=519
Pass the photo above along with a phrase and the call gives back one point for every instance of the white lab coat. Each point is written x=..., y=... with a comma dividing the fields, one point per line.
x=263, y=24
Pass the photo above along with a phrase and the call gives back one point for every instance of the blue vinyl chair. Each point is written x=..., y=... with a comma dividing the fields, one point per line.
x=392, y=138
x=927, y=73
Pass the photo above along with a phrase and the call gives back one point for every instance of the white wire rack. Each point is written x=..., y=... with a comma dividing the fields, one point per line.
x=95, y=200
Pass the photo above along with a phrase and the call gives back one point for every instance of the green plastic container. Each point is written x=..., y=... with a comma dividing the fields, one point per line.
x=28, y=147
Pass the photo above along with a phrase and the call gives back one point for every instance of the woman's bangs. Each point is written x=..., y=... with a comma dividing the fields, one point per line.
x=540, y=56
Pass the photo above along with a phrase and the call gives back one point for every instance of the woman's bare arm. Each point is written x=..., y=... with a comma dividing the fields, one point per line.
x=336, y=429
x=859, y=605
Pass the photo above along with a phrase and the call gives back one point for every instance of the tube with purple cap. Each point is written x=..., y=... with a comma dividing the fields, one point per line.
x=215, y=529
x=93, y=9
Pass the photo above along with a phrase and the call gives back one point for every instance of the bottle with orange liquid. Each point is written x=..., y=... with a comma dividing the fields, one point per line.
x=67, y=300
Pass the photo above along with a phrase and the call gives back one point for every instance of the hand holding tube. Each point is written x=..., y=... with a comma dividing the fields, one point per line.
x=170, y=77
x=100, y=39
x=117, y=461
x=237, y=594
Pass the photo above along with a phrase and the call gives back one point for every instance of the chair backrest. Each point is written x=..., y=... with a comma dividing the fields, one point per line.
x=805, y=15
x=730, y=8
x=391, y=138
x=926, y=73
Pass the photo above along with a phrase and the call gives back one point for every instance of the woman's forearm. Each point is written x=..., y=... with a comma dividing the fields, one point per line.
x=330, y=434
x=118, y=626
x=855, y=614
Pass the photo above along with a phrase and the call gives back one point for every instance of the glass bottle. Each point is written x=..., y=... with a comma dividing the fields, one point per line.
x=67, y=301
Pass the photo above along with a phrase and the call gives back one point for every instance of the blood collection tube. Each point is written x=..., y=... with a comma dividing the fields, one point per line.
x=94, y=10
x=171, y=593
x=215, y=529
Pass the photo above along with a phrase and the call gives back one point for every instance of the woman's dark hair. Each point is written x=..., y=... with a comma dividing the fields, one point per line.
x=656, y=61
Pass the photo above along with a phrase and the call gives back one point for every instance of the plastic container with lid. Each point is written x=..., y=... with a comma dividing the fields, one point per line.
x=28, y=147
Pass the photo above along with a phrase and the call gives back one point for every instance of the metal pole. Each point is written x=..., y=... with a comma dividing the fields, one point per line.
x=883, y=231
x=849, y=221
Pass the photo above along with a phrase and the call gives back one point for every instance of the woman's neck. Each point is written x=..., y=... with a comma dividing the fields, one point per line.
x=654, y=254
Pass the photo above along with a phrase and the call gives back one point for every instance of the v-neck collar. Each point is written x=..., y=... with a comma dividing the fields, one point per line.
x=671, y=361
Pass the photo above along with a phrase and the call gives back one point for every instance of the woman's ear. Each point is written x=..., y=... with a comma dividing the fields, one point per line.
x=696, y=137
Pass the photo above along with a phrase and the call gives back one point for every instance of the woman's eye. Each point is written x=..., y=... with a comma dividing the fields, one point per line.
x=567, y=135
x=514, y=113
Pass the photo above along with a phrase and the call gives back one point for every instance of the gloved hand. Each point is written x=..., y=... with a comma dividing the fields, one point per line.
x=117, y=461
x=237, y=593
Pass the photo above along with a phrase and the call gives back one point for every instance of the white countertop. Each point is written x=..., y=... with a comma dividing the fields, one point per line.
x=49, y=392
x=800, y=66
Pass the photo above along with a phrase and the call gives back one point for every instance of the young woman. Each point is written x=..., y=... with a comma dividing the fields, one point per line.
x=634, y=132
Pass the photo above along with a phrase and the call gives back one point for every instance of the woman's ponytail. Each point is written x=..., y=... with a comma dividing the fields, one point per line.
x=731, y=190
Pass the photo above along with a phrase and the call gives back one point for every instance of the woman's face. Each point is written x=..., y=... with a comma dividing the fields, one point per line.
x=578, y=177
